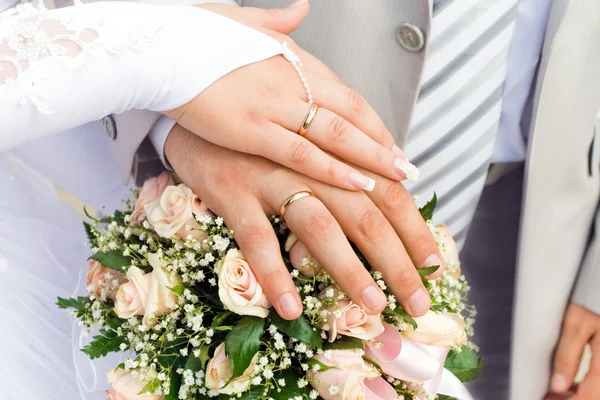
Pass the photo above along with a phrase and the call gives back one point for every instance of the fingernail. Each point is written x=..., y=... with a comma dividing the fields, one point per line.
x=397, y=151
x=297, y=253
x=288, y=304
x=373, y=299
x=297, y=3
x=432, y=261
x=419, y=303
x=559, y=383
x=360, y=181
x=407, y=169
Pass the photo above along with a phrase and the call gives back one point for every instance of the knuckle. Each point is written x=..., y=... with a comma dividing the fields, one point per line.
x=381, y=155
x=255, y=236
x=372, y=224
x=320, y=225
x=394, y=196
x=275, y=280
x=562, y=363
x=338, y=130
x=401, y=277
x=300, y=151
x=357, y=102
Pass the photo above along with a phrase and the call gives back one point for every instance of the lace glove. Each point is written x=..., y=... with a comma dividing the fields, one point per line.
x=62, y=68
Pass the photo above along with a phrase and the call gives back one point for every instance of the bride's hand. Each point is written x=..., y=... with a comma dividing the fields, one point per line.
x=259, y=109
x=385, y=225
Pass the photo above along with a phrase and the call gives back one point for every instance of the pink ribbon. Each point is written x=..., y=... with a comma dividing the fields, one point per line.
x=411, y=362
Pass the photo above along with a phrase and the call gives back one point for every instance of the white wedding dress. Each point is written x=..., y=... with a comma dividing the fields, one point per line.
x=58, y=70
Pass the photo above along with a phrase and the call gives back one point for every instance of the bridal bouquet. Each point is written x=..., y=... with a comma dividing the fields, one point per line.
x=168, y=285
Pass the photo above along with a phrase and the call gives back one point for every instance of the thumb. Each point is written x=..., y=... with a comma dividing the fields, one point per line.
x=282, y=20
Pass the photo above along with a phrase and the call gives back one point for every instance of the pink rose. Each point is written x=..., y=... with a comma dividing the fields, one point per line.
x=442, y=330
x=127, y=385
x=219, y=372
x=348, y=319
x=173, y=213
x=239, y=290
x=348, y=373
x=112, y=395
x=152, y=189
x=447, y=246
x=132, y=296
x=101, y=280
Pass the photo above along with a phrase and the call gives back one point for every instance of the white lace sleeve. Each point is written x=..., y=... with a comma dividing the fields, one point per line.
x=62, y=68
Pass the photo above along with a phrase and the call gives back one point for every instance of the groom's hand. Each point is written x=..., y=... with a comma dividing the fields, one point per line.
x=243, y=189
x=260, y=108
x=580, y=328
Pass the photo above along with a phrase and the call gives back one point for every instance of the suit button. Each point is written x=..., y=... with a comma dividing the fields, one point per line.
x=110, y=127
x=410, y=37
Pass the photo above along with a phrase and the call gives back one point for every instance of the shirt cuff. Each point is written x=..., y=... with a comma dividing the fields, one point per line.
x=158, y=136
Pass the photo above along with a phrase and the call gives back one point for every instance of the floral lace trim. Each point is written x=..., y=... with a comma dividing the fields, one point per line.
x=30, y=34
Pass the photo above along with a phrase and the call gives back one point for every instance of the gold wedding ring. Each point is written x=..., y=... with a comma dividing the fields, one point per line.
x=293, y=198
x=312, y=113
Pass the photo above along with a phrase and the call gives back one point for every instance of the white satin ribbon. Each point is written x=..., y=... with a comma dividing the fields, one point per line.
x=411, y=362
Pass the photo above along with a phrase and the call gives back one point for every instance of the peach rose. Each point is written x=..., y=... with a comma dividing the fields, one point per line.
x=219, y=372
x=161, y=298
x=300, y=258
x=100, y=279
x=239, y=290
x=152, y=189
x=348, y=319
x=449, y=250
x=127, y=387
x=172, y=214
x=348, y=372
x=112, y=395
x=132, y=296
x=442, y=330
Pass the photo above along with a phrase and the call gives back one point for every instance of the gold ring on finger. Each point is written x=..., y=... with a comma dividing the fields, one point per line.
x=312, y=113
x=296, y=196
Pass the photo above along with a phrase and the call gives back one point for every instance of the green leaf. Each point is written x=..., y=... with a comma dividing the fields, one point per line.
x=78, y=304
x=299, y=328
x=399, y=312
x=113, y=259
x=204, y=356
x=427, y=210
x=220, y=318
x=291, y=389
x=89, y=232
x=423, y=272
x=466, y=364
x=193, y=363
x=345, y=343
x=444, y=397
x=176, y=380
x=150, y=387
x=243, y=342
x=106, y=342
x=178, y=290
x=322, y=367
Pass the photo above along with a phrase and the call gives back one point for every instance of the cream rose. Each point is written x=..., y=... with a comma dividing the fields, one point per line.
x=443, y=330
x=161, y=298
x=132, y=296
x=449, y=250
x=219, y=372
x=102, y=280
x=127, y=387
x=239, y=290
x=348, y=319
x=152, y=189
x=172, y=214
x=300, y=257
x=348, y=373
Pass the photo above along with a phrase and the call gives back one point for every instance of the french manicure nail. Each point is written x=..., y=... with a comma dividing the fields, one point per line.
x=432, y=261
x=406, y=168
x=373, y=299
x=397, y=151
x=288, y=304
x=559, y=383
x=360, y=181
x=297, y=3
x=419, y=303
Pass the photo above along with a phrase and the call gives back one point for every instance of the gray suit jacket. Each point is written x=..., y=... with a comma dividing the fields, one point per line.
x=358, y=40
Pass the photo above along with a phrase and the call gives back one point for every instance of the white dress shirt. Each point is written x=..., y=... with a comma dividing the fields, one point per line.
x=523, y=59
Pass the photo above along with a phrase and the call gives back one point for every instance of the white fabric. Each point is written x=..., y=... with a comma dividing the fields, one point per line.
x=523, y=59
x=158, y=136
x=122, y=56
